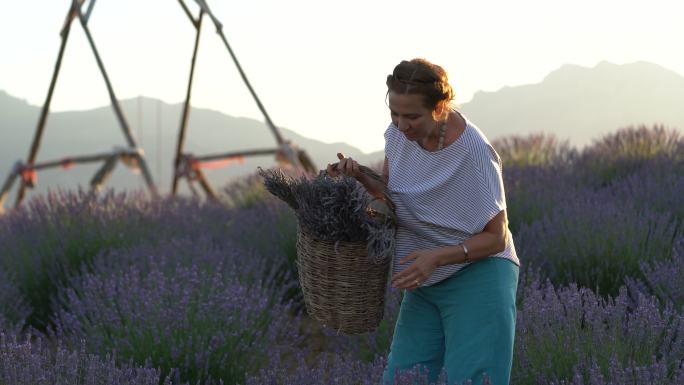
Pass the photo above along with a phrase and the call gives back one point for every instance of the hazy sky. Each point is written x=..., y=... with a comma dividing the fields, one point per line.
x=319, y=66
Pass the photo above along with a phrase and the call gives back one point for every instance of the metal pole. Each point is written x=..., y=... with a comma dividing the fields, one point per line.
x=186, y=107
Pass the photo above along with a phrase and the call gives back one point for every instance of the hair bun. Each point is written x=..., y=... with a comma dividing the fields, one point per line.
x=421, y=77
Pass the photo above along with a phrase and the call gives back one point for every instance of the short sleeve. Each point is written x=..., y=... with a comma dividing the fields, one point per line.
x=492, y=193
x=390, y=140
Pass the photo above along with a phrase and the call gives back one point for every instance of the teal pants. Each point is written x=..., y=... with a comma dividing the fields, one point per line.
x=464, y=324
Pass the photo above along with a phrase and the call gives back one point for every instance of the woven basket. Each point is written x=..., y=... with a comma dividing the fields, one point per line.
x=343, y=289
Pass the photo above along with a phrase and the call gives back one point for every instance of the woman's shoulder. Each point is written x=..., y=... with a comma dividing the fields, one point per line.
x=393, y=139
x=390, y=130
x=479, y=147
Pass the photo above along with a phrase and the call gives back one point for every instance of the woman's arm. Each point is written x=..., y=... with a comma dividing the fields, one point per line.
x=490, y=241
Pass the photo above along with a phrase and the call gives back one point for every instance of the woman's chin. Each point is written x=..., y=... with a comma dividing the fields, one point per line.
x=409, y=136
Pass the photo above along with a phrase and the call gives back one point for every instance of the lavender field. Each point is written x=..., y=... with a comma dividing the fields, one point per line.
x=121, y=289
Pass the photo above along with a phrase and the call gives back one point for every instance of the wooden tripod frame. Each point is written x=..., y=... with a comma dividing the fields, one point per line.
x=27, y=171
x=187, y=165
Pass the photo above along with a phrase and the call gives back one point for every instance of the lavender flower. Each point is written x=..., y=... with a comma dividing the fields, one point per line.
x=655, y=186
x=663, y=278
x=619, y=154
x=208, y=325
x=32, y=361
x=340, y=369
x=596, y=242
x=55, y=233
x=570, y=334
x=533, y=192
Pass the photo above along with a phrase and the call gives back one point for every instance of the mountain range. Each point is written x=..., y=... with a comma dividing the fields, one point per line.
x=576, y=103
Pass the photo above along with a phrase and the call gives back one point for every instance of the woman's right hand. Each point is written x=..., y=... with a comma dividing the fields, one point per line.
x=346, y=166
x=350, y=167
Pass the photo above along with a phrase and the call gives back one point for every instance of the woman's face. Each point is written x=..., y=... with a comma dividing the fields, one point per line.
x=411, y=116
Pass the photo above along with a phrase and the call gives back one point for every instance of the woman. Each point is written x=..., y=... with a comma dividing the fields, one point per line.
x=455, y=256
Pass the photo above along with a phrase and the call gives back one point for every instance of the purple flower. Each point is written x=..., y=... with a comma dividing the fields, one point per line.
x=32, y=361
x=206, y=313
x=570, y=334
x=54, y=234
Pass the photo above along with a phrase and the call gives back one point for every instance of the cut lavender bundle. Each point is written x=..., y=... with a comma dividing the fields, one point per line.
x=334, y=209
x=279, y=185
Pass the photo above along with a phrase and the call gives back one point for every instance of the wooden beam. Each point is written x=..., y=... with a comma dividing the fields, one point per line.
x=115, y=104
x=186, y=109
x=206, y=158
x=6, y=188
x=38, y=135
x=188, y=13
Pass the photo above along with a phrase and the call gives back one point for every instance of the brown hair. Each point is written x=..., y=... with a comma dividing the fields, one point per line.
x=422, y=77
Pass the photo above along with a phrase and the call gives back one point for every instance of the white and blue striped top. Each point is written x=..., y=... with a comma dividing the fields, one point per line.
x=444, y=197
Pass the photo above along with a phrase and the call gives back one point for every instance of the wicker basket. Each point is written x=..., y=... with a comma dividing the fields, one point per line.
x=342, y=288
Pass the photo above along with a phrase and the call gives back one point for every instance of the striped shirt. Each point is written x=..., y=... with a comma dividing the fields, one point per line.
x=444, y=197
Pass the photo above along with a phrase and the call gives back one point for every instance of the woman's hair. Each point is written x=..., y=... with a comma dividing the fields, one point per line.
x=421, y=77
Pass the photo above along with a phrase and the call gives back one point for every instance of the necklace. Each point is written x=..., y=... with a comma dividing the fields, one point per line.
x=442, y=133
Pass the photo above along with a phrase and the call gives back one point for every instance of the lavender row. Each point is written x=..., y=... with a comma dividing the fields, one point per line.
x=211, y=319
x=54, y=234
x=597, y=243
x=572, y=335
x=565, y=335
x=541, y=171
x=30, y=361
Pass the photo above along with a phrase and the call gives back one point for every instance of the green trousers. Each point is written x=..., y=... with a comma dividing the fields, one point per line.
x=464, y=324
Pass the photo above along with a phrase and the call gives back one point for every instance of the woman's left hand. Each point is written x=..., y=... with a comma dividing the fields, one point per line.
x=425, y=262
